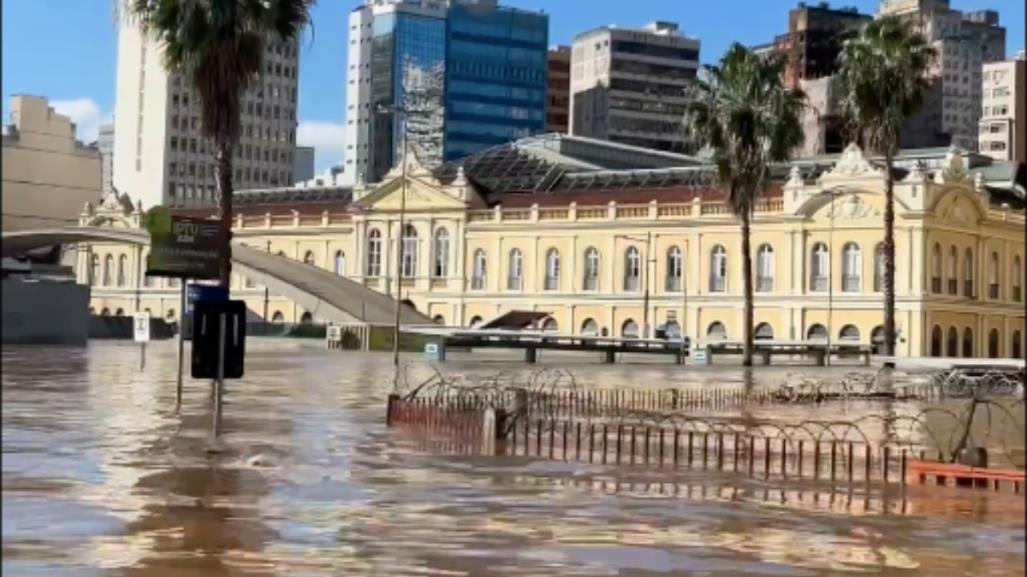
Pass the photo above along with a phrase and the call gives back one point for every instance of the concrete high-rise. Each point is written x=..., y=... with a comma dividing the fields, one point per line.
x=629, y=85
x=963, y=43
x=815, y=37
x=469, y=74
x=160, y=154
x=105, y=143
x=558, y=90
x=1002, y=134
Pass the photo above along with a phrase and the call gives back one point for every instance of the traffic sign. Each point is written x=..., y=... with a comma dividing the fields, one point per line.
x=141, y=327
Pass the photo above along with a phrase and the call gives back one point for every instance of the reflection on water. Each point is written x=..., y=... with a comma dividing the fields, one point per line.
x=101, y=477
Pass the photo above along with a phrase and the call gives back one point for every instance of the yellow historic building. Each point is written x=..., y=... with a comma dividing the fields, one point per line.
x=609, y=238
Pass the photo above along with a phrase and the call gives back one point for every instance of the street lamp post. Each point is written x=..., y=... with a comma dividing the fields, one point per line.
x=830, y=277
x=396, y=111
x=645, y=272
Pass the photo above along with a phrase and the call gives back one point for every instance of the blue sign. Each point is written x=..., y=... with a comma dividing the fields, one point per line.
x=203, y=292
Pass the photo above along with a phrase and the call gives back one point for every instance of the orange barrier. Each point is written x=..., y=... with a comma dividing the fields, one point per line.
x=963, y=475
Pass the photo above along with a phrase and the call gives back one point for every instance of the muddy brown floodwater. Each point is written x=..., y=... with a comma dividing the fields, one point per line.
x=102, y=477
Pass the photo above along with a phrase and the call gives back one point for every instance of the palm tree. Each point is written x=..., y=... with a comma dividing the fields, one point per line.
x=883, y=75
x=745, y=115
x=218, y=45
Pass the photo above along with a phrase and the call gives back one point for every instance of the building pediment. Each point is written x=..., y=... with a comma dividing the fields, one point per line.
x=959, y=207
x=851, y=166
x=845, y=206
x=420, y=197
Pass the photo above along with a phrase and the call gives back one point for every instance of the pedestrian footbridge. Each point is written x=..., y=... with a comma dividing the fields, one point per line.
x=326, y=295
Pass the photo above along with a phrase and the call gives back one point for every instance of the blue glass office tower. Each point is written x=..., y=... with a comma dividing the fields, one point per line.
x=470, y=74
x=495, y=76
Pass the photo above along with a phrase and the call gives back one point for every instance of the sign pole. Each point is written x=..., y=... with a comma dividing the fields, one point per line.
x=220, y=381
x=181, y=347
x=142, y=356
x=141, y=334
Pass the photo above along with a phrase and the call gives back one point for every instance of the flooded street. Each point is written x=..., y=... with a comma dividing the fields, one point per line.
x=102, y=477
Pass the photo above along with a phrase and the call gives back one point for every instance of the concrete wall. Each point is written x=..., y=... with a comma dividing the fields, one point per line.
x=45, y=312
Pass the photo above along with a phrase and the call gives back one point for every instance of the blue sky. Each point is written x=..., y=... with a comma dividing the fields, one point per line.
x=71, y=60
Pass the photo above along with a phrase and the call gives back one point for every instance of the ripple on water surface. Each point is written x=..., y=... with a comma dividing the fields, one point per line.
x=101, y=477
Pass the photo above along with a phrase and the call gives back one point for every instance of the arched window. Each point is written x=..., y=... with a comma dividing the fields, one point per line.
x=106, y=312
x=475, y=322
x=674, y=269
x=816, y=332
x=409, y=259
x=440, y=268
x=122, y=271
x=120, y=312
x=108, y=270
x=306, y=318
x=819, y=268
x=148, y=312
x=968, y=273
x=718, y=269
x=147, y=280
x=550, y=325
x=877, y=340
x=374, y=253
x=591, y=280
x=278, y=318
x=480, y=270
x=936, y=268
x=952, y=342
x=308, y=258
x=936, y=341
x=552, y=282
x=629, y=329
x=515, y=273
x=1017, y=279
x=993, y=350
x=849, y=333
x=879, y=267
x=852, y=265
x=632, y=269
x=952, y=271
x=765, y=268
x=340, y=263
x=590, y=328
x=763, y=332
x=716, y=331
x=439, y=320
x=672, y=330
x=993, y=276
x=94, y=271
x=968, y=343
x=1017, y=346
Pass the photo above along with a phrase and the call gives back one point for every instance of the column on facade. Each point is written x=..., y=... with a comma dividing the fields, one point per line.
x=138, y=276
x=612, y=266
x=917, y=282
x=572, y=269
x=359, y=239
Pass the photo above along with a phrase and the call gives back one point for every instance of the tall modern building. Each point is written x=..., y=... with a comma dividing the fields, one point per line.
x=1004, y=93
x=302, y=164
x=160, y=155
x=105, y=142
x=629, y=85
x=446, y=78
x=815, y=37
x=964, y=42
x=558, y=104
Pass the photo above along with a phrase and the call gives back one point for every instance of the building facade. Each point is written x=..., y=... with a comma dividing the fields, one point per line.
x=47, y=175
x=1004, y=93
x=450, y=77
x=626, y=252
x=303, y=164
x=629, y=85
x=160, y=154
x=963, y=42
x=105, y=144
x=558, y=90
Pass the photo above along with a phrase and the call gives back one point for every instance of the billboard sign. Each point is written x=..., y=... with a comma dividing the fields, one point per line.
x=182, y=247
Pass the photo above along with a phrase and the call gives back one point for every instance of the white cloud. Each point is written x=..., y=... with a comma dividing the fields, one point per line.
x=86, y=115
x=327, y=138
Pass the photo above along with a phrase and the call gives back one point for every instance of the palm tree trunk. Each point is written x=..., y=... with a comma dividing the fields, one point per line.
x=224, y=180
x=889, y=255
x=747, y=287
